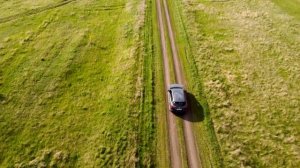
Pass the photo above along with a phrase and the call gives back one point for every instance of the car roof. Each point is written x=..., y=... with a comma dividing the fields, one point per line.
x=178, y=95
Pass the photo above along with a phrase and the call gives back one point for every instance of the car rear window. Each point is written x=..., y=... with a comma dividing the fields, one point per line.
x=179, y=103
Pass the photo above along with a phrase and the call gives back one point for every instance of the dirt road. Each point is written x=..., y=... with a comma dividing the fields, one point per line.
x=190, y=144
x=175, y=155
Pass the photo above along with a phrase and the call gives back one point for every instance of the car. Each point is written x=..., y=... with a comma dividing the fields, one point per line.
x=177, y=99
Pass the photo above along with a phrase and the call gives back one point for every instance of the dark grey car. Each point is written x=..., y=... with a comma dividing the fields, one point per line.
x=177, y=99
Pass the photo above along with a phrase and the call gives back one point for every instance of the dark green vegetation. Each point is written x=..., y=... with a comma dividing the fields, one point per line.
x=247, y=56
x=71, y=84
x=147, y=117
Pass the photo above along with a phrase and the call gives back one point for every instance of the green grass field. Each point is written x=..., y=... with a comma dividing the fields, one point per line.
x=71, y=84
x=247, y=56
x=81, y=82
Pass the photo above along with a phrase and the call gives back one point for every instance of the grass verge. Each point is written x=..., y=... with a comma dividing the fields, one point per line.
x=147, y=133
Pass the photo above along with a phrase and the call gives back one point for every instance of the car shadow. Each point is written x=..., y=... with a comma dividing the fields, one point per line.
x=195, y=112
